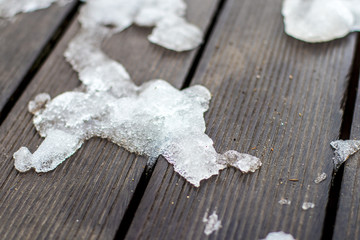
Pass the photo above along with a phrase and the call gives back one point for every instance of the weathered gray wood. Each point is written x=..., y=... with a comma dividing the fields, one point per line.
x=23, y=42
x=86, y=196
x=348, y=214
x=290, y=120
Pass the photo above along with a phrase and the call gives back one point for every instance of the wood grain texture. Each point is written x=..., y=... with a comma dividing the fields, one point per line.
x=257, y=108
x=23, y=41
x=87, y=195
x=348, y=214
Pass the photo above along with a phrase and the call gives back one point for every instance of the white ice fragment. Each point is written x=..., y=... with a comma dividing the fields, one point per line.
x=213, y=224
x=307, y=205
x=176, y=34
x=155, y=119
x=9, y=8
x=244, y=162
x=284, y=201
x=321, y=177
x=171, y=30
x=279, y=236
x=343, y=150
x=320, y=20
x=39, y=102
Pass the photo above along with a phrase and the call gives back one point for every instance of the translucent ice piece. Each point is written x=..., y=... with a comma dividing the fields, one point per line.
x=156, y=119
x=343, y=150
x=320, y=20
x=307, y=205
x=9, y=8
x=213, y=224
x=279, y=236
x=321, y=177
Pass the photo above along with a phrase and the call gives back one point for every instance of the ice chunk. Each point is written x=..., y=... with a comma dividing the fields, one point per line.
x=343, y=150
x=9, y=8
x=307, y=205
x=279, y=236
x=152, y=119
x=244, y=162
x=176, y=34
x=284, y=201
x=155, y=119
x=320, y=20
x=213, y=224
x=171, y=30
x=321, y=177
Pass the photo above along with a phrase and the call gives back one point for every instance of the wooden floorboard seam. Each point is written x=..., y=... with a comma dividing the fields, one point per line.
x=345, y=132
x=38, y=63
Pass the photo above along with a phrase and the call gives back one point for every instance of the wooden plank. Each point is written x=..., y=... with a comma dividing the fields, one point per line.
x=23, y=42
x=348, y=214
x=85, y=197
x=290, y=121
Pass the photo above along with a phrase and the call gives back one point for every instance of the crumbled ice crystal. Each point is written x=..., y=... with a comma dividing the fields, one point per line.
x=307, y=205
x=343, y=150
x=284, y=201
x=213, y=223
x=321, y=177
x=320, y=20
x=279, y=236
x=9, y=8
x=152, y=119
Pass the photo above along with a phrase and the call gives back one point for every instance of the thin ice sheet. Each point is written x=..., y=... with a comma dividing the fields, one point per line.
x=321, y=20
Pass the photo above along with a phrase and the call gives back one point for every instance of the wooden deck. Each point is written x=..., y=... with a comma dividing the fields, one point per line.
x=275, y=97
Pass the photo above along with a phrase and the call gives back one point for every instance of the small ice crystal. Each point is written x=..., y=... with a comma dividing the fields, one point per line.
x=152, y=119
x=321, y=20
x=212, y=223
x=284, y=201
x=9, y=8
x=321, y=177
x=308, y=205
x=279, y=236
x=343, y=150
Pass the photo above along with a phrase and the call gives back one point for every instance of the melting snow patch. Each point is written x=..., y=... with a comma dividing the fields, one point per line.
x=9, y=8
x=308, y=205
x=152, y=119
x=321, y=20
x=321, y=177
x=343, y=150
x=279, y=236
x=213, y=224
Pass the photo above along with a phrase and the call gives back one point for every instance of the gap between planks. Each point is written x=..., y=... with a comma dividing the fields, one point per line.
x=39, y=61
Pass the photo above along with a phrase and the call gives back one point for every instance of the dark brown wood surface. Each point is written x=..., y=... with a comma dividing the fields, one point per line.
x=87, y=195
x=257, y=108
x=348, y=214
x=23, y=42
